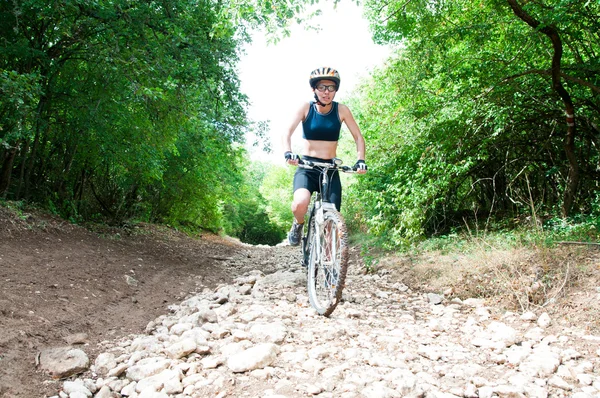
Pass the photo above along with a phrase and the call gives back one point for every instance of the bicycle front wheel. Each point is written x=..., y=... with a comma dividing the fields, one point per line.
x=328, y=263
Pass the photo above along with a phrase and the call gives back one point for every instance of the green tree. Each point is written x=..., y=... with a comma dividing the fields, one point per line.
x=248, y=213
x=120, y=109
x=465, y=122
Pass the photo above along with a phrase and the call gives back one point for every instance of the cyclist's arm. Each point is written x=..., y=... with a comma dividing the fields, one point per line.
x=286, y=142
x=348, y=119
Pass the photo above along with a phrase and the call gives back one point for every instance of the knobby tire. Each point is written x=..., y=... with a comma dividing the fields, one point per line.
x=327, y=270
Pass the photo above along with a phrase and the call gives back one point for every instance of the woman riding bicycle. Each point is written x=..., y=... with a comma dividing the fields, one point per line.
x=321, y=123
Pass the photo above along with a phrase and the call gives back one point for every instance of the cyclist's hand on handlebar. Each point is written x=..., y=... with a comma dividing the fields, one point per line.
x=360, y=166
x=291, y=158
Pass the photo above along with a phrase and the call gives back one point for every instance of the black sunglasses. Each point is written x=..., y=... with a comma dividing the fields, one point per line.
x=331, y=88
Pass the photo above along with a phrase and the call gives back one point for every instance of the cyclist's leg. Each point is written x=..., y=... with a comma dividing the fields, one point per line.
x=335, y=196
x=299, y=209
x=306, y=182
x=335, y=190
x=304, y=185
x=300, y=204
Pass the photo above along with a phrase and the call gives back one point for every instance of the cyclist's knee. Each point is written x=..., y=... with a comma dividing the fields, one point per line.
x=300, y=206
x=300, y=203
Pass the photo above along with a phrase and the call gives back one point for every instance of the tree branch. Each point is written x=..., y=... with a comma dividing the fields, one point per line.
x=569, y=143
x=401, y=8
x=549, y=73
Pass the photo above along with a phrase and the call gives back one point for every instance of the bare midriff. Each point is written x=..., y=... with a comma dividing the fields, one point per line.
x=320, y=149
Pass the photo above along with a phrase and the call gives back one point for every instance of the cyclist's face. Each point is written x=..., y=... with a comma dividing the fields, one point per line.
x=323, y=91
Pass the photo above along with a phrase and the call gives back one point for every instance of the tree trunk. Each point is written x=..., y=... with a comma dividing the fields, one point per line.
x=6, y=170
x=40, y=125
x=61, y=187
x=22, y=169
x=569, y=143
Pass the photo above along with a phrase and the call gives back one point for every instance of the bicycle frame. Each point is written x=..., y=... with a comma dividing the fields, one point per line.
x=321, y=202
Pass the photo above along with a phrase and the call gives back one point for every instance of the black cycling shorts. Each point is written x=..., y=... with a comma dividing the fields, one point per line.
x=309, y=179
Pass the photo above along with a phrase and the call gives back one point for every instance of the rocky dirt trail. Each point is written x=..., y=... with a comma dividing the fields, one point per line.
x=149, y=312
x=257, y=337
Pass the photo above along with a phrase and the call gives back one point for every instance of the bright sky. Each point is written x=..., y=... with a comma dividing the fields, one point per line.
x=344, y=43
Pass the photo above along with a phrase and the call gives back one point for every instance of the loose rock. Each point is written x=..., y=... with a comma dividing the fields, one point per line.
x=259, y=337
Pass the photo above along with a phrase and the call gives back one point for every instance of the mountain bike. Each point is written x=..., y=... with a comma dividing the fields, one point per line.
x=324, y=245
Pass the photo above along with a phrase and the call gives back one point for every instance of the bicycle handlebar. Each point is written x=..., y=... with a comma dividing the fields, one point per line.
x=307, y=164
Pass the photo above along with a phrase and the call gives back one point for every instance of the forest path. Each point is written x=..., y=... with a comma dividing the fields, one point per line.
x=164, y=315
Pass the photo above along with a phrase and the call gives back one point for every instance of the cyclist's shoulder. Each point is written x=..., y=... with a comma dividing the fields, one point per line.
x=343, y=110
x=302, y=110
x=343, y=107
x=305, y=107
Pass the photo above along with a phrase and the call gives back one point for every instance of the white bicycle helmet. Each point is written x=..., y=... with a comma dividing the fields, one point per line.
x=324, y=73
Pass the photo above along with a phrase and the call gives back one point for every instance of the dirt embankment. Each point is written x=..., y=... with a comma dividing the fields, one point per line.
x=60, y=280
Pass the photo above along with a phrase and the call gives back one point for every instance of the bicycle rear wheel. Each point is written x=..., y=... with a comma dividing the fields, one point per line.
x=328, y=263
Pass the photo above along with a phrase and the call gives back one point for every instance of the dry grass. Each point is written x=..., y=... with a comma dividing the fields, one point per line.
x=564, y=280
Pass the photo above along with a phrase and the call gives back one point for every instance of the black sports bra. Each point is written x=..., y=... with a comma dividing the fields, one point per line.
x=322, y=127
